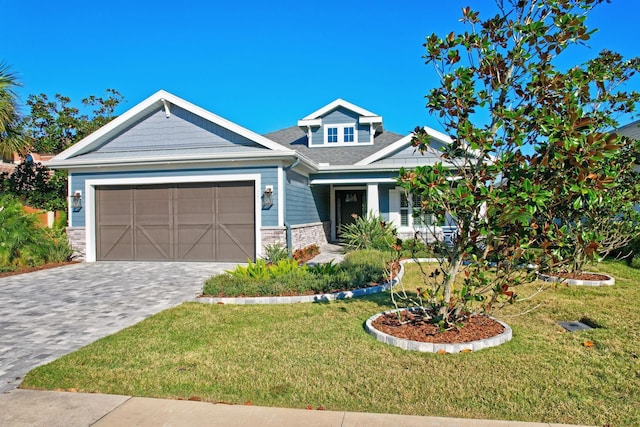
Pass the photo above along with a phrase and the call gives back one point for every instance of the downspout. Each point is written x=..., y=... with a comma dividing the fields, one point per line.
x=284, y=203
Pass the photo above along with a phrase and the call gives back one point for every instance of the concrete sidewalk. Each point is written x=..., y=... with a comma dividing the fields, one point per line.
x=49, y=408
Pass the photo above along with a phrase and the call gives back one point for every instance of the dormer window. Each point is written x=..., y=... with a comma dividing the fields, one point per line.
x=340, y=134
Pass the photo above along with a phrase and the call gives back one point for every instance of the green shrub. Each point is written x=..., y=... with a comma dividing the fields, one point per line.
x=254, y=270
x=370, y=232
x=415, y=248
x=24, y=242
x=274, y=253
x=286, y=277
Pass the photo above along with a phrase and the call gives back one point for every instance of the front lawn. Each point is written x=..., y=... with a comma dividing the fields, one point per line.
x=308, y=355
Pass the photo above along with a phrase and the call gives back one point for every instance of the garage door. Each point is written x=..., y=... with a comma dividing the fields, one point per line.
x=180, y=222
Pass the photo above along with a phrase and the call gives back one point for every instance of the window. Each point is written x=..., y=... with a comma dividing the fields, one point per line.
x=332, y=134
x=340, y=134
x=348, y=134
x=411, y=213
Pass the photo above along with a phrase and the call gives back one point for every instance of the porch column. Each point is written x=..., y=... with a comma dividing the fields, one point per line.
x=373, y=199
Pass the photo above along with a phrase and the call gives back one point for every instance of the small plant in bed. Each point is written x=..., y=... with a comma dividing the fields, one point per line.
x=284, y=278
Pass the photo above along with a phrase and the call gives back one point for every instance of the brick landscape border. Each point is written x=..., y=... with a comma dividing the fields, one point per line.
x=609, y=282
x=429, y=347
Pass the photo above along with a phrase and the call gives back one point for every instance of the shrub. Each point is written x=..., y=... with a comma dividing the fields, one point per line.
x=24, y=243
x=306, y=253
x=415, y=248
x=275, y=252
x=370, y=232
x=286, y=277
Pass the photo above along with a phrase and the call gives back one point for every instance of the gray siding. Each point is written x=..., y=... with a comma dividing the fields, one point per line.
x=304, y=205
x=344, y=116
x=182, y=132
x=383, y=194
x=269, y=176
x=340, y=115
x=317, y=136
x=364, y=134
x=410, y=156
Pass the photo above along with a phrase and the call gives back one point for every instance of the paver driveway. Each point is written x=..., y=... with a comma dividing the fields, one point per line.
x=49, y=313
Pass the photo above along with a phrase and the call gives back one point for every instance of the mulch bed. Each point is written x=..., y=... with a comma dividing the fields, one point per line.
x=581, y=276
x=473, y=329
x=32, y=269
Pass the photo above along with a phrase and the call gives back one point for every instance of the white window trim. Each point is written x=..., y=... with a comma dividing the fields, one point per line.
x=395, y=215
x=340, y=127
x=90, y=195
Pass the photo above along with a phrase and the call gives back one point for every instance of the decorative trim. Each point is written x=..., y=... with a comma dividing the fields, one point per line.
x=90, y=197
x=281, y=179
x=372, y=117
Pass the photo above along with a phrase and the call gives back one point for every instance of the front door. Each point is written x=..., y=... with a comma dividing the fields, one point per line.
x=350, y=204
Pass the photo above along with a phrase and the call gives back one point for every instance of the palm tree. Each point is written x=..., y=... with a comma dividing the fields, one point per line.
x=11, y=137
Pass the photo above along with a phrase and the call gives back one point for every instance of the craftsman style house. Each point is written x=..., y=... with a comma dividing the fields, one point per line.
x=168, y=180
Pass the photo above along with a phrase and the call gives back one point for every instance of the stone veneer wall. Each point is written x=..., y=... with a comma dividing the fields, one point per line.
x=78, y=241
x=309, y=234
x=302, y=235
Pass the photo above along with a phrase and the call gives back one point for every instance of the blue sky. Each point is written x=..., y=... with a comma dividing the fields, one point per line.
x=262, y=64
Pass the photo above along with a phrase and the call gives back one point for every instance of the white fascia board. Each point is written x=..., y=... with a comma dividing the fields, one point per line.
x=399, y=144
x=402, y=143
x=157, y=100
x=354, y=181
x=339, y=103
x=370, y=119
x=170, y=159
x=310, y=123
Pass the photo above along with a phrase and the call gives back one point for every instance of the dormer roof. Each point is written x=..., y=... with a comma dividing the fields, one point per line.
x=315, y=119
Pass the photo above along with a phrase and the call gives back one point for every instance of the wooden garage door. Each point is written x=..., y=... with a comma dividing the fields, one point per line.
x=180, y=222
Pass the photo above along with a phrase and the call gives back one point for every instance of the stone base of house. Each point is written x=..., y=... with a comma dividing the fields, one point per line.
x=78, y=241
x=302, y=235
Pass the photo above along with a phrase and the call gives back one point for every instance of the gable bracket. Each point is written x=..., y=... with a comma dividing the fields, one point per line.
x=167, y=112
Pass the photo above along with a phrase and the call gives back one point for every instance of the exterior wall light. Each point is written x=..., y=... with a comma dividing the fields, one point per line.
x=267, y=197
x=76, y=201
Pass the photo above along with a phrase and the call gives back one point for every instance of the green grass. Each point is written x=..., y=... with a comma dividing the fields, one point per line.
x=318, y=354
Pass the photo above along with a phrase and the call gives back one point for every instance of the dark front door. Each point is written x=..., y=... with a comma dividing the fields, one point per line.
x=350, y=204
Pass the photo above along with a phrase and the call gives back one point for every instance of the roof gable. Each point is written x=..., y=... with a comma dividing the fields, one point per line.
x=401, y=149
x=208, y=128
x=315, y=118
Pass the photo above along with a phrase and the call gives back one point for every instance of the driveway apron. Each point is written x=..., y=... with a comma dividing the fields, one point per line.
x=49, y=313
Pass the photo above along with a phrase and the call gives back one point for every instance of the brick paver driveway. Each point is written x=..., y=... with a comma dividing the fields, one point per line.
x=49, y=313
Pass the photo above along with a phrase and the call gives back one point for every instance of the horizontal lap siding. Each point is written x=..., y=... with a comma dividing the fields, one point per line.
x=304, y=203
x=269, y=176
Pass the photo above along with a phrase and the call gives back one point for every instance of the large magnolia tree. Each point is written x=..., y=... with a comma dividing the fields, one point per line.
x=529, y=139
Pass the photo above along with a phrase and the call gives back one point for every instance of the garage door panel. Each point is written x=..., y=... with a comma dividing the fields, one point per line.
x=191, y=222
x=115, y=242
x=196, y=242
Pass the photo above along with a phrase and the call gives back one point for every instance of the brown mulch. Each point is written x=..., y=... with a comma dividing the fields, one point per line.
x=582, y=276
x=32, y=269
x=473, y=329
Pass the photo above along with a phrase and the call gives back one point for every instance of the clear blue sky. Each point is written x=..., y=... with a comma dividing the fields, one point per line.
x=262, y=64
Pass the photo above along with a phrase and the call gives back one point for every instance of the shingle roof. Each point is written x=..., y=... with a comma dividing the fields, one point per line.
x=631, y=130
x=296, y=139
